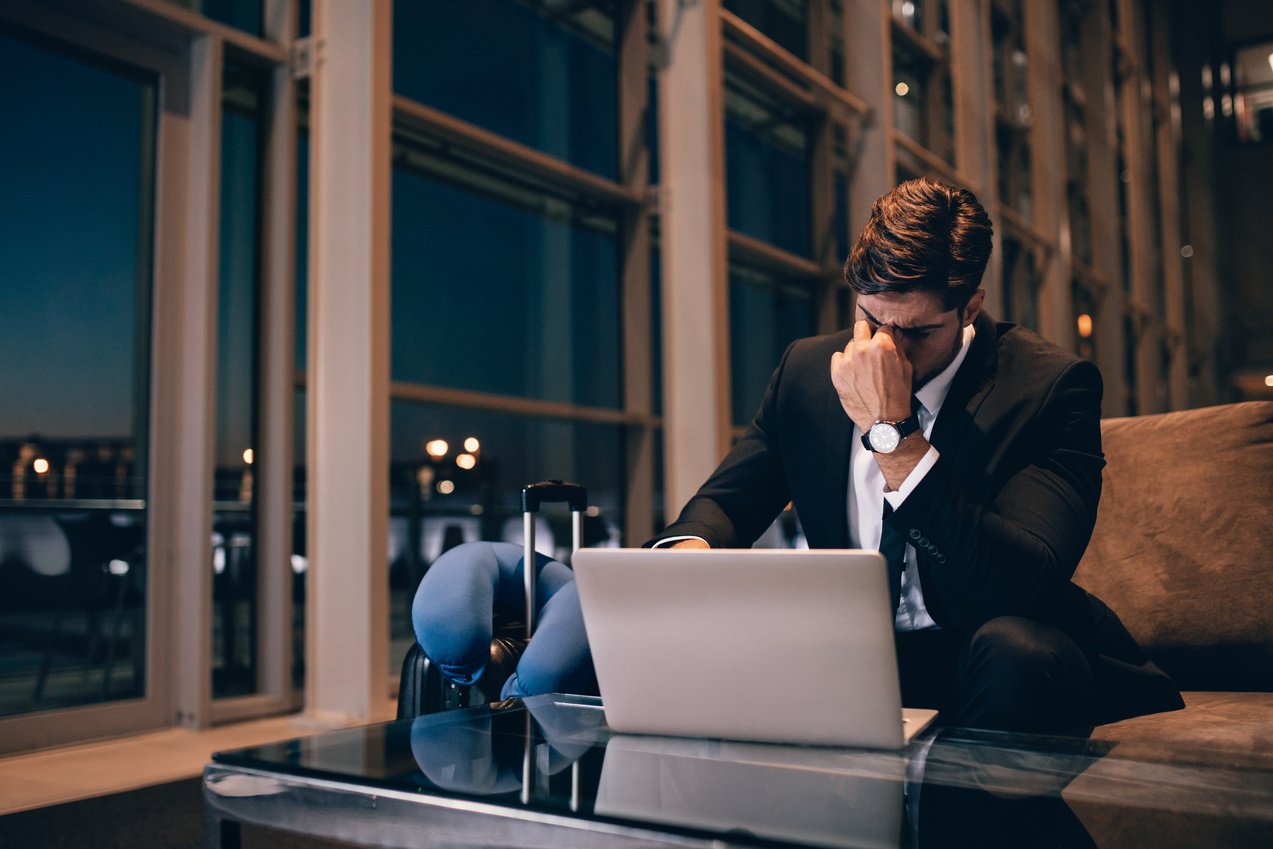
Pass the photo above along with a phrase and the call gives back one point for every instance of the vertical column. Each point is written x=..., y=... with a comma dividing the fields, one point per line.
x=868, y=48
x=974, y=118
x=1048, y=148
x=277, y=378
x=695, y=261
x=822, y=176
x=188, y=445
x=1101, y=118
x=1166, y=85
x=348, y=400
x=634, y=172
x=1142, y=235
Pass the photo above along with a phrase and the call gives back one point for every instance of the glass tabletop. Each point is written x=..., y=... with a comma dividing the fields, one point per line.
x=554, y=755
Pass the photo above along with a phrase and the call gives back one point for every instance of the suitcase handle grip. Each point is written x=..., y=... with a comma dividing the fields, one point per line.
x=552, y=492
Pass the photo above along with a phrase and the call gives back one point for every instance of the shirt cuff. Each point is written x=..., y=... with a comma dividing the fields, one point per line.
x=897, y=496
x=663, y=543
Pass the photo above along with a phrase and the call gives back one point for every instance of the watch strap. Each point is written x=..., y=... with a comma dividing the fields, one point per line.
x=905, y=428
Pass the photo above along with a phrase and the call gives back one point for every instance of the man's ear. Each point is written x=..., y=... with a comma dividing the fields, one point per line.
x=973, y=307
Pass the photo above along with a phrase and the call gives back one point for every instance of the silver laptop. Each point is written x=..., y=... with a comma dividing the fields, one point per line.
x=783, y=646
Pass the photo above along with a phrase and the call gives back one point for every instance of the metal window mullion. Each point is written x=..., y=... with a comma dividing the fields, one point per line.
x=533, y=407
x=436, y=123
x=347, y=641
x=634, y=262
x=275, y=426
x=776, y=259
x=770, y=50
x=191, y=459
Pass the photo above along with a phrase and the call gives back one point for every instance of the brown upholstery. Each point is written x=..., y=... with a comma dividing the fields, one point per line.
x=1181, y=553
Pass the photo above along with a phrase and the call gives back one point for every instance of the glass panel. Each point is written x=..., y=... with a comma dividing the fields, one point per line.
x=1020, y=284
x=502, y=289
x=77, y=167
x=1085, y=318
x=766, y=314
x=234, y=526
x=456, y=475
x=543, y=74
x=300, y=559
x=784, y=21
x=910, y=94
x=767, y=171
x=929, y=17
x=1253, y=104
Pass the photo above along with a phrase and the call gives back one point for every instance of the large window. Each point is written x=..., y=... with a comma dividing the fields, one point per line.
x=507, y=330
x=502, y=288
x=77, y=167
x=541, y=74
x=766, y=314
x=767, y=169
x=234, y=533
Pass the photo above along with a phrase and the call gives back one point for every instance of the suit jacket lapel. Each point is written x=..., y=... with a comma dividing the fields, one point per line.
x=971, y=385
x=836, y=470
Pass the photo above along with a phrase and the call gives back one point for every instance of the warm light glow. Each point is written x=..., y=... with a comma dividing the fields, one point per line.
x=437, y=448
x=249, y=456
x=446, y=487
x=1268, y=380
x=41, y=465
x=902, y=89
x=593, y=510
x=1271, y=61
x=466, y=461
x=1186, y=251
x=1085, y=325
x=471, y=445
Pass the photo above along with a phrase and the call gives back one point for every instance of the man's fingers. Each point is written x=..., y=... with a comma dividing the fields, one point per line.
x=861, y=331
x=884, y=338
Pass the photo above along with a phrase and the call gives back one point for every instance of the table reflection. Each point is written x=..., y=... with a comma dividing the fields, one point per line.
x=943, y=790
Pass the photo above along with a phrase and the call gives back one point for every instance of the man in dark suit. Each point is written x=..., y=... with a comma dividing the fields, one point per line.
x=969, y=452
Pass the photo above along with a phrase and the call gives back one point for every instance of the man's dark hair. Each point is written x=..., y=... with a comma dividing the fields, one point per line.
x=922, y=236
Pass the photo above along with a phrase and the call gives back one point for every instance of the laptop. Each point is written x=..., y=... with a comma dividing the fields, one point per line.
x=779, y=646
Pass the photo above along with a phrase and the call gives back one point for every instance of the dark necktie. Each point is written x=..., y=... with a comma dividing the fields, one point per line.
x=893, y=547
x=893, y=543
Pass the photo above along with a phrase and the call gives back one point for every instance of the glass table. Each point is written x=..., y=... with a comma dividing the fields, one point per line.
x=546, y=771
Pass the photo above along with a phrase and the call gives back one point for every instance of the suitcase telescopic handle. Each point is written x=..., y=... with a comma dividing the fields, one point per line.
x=554, y=492
x=533, y=495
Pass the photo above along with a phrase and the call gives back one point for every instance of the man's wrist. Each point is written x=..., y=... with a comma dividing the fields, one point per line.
x=898, y=465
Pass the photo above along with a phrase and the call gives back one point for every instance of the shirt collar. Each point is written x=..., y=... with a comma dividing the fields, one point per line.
x=933, y=394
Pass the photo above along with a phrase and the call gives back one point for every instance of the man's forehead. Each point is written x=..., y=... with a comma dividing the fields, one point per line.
x=906, y=310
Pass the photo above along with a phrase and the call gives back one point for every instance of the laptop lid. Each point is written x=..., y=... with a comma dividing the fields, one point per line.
x=790, y=646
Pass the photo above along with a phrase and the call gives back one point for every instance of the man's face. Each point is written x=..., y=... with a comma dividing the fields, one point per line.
x=925, y=332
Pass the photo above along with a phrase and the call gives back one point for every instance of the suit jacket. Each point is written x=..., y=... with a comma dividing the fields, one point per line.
x=998, y=524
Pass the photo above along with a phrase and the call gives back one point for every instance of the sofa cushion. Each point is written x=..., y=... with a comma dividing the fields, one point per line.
x=1239, y=722
x=1181, y=550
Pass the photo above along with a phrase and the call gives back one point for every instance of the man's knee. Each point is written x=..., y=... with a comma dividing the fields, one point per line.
x=1019, y=674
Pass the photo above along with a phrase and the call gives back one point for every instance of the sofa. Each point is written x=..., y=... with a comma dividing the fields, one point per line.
x=1180, y=552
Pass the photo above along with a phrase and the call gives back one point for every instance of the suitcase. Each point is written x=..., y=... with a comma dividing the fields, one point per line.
x=423, y=689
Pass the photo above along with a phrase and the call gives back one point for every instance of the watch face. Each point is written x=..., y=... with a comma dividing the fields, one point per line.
x=884, y=437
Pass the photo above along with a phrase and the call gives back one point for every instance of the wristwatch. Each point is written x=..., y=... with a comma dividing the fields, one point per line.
x=884, y=437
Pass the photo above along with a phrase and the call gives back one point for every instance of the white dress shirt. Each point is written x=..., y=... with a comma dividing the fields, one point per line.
x=867, y=491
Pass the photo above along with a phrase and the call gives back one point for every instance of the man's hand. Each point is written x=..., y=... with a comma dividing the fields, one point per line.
x=872, y=377
x=690, y=544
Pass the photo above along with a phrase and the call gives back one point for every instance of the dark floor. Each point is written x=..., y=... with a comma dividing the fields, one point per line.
x=166, y=816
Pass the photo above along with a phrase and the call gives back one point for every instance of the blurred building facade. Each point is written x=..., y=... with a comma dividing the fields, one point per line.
x=297, y=295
